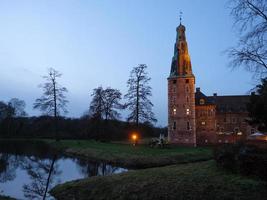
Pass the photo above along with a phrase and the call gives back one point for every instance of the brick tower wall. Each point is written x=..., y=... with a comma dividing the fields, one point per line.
x=181, y=111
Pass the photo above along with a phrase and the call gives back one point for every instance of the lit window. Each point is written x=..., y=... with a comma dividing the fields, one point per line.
x=203, y=123
x=239, y=133
x=187, y=111
x=174, y=111
x=201, y=101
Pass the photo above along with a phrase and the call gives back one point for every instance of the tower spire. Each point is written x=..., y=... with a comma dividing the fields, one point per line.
x=180, y=15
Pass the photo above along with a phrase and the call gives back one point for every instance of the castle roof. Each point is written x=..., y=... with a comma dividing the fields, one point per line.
x=235, y=103
x=202, y=99
x=229, y=103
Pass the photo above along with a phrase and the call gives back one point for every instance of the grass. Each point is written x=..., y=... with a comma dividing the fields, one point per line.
x=125, y=155
x=198, y=181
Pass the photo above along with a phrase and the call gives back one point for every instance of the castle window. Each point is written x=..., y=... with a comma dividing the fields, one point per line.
x=203, y=123
x=174, y=111
x=187, y=111
x=188, y=126
x=239, y=133
x=236, y=130
x=174, y=82
x=224, y=119
x=174, y=125
x=187, y=99
x=201, y=101
x=187, y=88
x=186, y=80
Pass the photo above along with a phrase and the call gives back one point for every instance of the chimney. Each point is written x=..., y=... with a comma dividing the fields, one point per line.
x=198, y=89
x=215, y=94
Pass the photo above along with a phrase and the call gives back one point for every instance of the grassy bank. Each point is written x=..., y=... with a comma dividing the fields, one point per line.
x=196, y=181
x=126, y=155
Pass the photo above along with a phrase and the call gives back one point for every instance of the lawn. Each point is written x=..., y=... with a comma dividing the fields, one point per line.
x=198, y=181
x=126, y=155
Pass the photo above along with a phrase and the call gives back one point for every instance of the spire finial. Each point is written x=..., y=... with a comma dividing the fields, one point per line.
x=181, y=14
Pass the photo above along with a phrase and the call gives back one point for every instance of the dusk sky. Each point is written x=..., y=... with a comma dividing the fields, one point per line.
x=98, y=42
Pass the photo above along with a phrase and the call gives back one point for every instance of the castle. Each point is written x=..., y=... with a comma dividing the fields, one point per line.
x=194, y=118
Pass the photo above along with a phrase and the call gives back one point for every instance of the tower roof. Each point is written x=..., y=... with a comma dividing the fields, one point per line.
x=181, y=62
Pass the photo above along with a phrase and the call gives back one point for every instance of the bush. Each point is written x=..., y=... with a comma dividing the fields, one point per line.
x=243, y=159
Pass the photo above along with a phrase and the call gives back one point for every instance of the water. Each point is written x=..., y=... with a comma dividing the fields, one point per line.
x=25, y=169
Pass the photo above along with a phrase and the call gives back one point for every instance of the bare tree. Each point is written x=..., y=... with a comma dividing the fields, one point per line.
x=112, y=103
x=97, y=104
x=138, y=96
x=105, y=103
x=251, y=21
x=18, y=106
x=53, y=101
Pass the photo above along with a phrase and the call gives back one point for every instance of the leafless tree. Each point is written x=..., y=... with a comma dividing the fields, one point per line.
x=251, y=22
x=138, y=96
x=53, y=101
x=18, y=106
x=105, y=103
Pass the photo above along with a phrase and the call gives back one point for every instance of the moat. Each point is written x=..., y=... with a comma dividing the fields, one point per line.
x=25, y=169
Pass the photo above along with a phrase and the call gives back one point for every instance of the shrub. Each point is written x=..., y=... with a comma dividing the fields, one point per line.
x=243, y=159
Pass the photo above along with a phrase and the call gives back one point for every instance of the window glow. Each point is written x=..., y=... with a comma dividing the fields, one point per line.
x=187, y=111
x=201, y=101
x=174, y=111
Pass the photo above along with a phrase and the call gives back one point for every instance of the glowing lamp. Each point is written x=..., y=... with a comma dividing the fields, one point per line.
x=134, y=137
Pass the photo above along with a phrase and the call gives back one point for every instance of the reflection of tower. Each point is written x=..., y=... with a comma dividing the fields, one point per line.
x=181, y=96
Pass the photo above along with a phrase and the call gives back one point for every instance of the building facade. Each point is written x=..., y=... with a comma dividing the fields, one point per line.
x=197, y=119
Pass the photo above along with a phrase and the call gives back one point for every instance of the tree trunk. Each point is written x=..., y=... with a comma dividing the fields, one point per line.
x=55, y=110
x=137, y=103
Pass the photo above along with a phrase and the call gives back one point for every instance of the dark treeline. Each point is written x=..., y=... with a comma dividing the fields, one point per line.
x=102, y=121
x=75, y=128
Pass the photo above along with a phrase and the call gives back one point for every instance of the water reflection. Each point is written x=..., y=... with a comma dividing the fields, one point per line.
x=35, y=168
x=96, y=168
x=38, y=170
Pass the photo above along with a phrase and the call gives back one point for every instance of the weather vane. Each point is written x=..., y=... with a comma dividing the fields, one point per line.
x=181, y=14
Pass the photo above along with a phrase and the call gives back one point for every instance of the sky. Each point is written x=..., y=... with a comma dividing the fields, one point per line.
x=97, y=43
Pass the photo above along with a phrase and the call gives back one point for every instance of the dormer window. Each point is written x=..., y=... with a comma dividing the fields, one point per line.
x=201, y=101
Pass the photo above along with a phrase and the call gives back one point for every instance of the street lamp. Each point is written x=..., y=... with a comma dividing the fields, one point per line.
x=134, y=138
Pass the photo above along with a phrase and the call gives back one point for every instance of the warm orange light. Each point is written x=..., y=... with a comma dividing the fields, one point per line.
x=134, y=137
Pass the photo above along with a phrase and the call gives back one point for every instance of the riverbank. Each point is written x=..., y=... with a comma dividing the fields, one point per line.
x=134, y=157
x=196, y=181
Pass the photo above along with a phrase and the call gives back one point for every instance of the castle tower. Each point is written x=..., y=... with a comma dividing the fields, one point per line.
x=181, y=94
